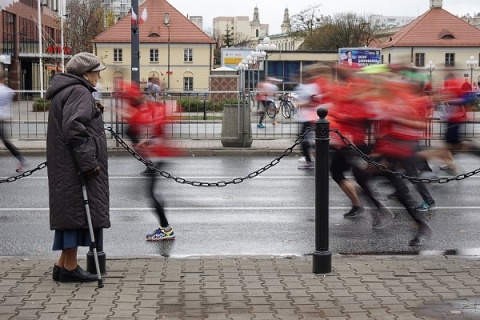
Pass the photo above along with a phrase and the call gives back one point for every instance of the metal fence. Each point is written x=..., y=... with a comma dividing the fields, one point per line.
x=194, y=115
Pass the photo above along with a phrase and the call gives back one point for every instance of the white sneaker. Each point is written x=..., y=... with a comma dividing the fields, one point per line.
x=302, y=159
x=307, y=165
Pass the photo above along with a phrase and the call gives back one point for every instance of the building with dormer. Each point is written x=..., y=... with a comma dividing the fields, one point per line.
x=178, y=53
x=437, y=36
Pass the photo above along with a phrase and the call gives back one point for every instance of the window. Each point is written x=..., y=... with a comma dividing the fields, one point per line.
x=188, y=84
x=419, y=59
x=153, y=55
x=449, y=59
x=117, y=55
x=187, y=55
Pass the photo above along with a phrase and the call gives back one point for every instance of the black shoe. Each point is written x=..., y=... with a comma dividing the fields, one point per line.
x=56, y=272
x=419, y=240
x=392, y=196
x=380, y=222
x=424, y=233
x=77, y=275
x=353, y=213
x=148, y=172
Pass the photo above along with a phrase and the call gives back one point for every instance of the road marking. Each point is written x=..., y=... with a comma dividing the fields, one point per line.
x=239, y=208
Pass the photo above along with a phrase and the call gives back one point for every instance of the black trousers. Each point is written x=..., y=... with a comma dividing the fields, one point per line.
x=10, y=146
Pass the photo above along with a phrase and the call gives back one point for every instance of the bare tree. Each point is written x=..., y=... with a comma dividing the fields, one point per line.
x=84, y=22
x=345, y=30
x=306, y=21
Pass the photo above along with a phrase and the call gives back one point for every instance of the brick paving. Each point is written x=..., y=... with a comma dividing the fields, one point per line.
x=248, y=287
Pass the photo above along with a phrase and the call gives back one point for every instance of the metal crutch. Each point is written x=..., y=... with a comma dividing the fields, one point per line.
x=90, y=228
x=89, y=217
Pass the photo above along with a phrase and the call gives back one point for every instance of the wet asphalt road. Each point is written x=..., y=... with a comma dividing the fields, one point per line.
x=272, y=214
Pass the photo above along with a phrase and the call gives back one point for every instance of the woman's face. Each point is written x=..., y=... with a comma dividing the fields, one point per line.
x=92, y=77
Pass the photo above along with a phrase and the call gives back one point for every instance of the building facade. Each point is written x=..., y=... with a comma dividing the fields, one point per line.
x=29, y=59
x=242, y=29
x=437, y=38
x=177, y=54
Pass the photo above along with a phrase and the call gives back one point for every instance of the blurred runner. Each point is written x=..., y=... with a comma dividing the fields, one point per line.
x=6, y=98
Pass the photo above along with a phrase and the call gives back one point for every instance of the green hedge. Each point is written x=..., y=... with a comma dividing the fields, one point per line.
x=197, y=105
x=40, y=105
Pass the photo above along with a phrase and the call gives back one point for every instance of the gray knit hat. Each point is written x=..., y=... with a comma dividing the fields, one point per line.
x=82, y=63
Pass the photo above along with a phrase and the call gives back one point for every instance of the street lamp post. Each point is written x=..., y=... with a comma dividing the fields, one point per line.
x=472, y=64
x=264, y=47
x=166, y=21
x=430, y=67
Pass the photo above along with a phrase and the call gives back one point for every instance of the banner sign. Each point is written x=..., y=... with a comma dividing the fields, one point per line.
x=359, y=57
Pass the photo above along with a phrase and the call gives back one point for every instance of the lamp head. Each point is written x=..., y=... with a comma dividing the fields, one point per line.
x=166, y=18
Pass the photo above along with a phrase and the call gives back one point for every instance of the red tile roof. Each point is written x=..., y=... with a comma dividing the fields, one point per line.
x=182, y=30
x=435, y=28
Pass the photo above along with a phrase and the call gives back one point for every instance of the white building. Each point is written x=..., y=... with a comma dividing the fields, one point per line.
x=241, y=28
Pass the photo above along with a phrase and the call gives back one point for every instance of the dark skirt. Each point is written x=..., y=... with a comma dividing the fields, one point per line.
x=69, y=239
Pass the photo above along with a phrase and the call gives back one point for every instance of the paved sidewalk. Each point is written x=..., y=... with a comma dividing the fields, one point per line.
x=250, y=287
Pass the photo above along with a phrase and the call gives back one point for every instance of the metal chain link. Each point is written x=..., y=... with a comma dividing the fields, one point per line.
x=25, y=173
x=253, y=174
x=397, y=174
x=238, y=180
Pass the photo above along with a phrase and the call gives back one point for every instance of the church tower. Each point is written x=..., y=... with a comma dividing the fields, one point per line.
x=256, y=18
x=286, y=26
x=436, y=4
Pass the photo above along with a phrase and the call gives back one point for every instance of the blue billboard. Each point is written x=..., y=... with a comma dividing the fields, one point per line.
x=359, y=57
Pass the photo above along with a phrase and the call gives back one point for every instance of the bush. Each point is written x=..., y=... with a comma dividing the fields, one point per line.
x=197, y=105
x=41, y=105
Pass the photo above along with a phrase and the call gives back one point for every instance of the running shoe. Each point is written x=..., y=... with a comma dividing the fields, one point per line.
x=302, y=159
x=261, y=126
x=20, y=165
x=354, y=212
x=450, y=171
x=425, y=206
x=160, y=234
x=307, y=165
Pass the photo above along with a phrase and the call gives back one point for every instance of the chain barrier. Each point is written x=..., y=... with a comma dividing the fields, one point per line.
x=397, y=174
x=25, y=173
x=180, y=180
x=254, y=174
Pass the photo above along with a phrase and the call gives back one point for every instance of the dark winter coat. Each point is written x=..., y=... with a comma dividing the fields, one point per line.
x=74, y=120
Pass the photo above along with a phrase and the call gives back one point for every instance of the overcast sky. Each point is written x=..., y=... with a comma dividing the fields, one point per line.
x=271, y=11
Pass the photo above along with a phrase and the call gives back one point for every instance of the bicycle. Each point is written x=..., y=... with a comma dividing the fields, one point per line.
x=287, y=107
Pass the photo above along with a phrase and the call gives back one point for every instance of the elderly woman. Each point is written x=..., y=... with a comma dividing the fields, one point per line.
x=76, y=144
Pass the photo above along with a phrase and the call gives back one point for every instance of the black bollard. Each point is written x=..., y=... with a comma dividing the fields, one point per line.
x=102, y=257
x=322, y=257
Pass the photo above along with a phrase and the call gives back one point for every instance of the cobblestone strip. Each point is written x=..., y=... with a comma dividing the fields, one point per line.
x=125, y=288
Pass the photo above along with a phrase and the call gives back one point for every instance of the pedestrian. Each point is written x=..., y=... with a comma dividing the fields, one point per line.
x=142, y=112
x=266, y=97
x=311, y=94
x=6, y=98
x=153, y=88
x=76, y=144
